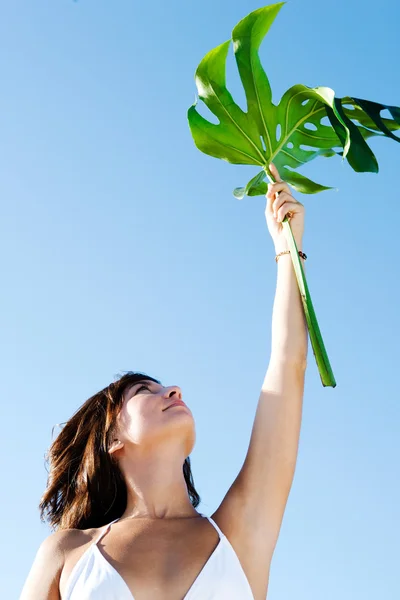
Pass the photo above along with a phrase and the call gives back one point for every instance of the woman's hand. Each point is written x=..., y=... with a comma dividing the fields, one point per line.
x=278, y=206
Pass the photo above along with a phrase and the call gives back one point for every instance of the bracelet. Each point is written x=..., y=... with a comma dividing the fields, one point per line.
x=301, y=254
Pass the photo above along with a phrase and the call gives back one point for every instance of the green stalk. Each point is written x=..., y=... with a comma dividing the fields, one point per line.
x=321, y=357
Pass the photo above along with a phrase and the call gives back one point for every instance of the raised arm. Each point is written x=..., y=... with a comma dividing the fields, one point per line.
x=252, y=511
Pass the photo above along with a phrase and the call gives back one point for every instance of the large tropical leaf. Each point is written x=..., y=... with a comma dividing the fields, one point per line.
x=290, y=134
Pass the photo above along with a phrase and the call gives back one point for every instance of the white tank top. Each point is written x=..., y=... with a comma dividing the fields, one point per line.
x=221, y=578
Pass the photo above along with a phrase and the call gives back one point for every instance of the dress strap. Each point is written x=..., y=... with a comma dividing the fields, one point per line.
x=221, y=534
x=104, y=530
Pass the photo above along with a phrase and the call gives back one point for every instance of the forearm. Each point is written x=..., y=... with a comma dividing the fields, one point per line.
x=289, y=326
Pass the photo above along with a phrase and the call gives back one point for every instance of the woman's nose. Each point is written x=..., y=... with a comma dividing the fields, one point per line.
x=174, y=389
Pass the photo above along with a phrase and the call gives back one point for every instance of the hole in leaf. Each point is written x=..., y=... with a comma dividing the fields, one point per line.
x=362, y=126
x=290, y=145
x=291, y=169
x=385, y=114
x=325, y=121
x=205, y=112
x=305, y=102
x=304, y=147
x=263, y=143
x=278, y=132
x=310, y=127
x=349, y=106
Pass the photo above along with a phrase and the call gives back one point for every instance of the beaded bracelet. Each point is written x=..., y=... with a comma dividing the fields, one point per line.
x=301, y=254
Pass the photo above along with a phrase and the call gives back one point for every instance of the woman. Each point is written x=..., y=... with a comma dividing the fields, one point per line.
x=121, y=495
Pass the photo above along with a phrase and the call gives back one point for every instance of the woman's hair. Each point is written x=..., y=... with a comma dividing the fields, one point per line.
x=85, y=486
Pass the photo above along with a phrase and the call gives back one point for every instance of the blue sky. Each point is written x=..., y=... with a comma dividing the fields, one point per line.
x=123, y=248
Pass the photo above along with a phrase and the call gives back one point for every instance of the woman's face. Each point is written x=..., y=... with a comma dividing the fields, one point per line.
x=147, y=417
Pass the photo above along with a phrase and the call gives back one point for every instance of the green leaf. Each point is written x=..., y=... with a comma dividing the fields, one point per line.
x=253, y=184
x=251, y=137
x=367, y=113
x=289, y=134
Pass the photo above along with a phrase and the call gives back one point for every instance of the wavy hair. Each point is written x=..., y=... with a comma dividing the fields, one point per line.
x=85, y=486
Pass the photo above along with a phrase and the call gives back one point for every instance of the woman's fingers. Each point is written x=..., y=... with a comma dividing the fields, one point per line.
x=274, y=203
x=279, y=185
x=277, y=203
x=275, y=172
x=280, y=201
x=283, y=197
x=275, y=188
x=283, y=204
x=287, y=207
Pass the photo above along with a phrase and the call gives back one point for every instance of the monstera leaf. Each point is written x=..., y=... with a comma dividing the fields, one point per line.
x=289, y=135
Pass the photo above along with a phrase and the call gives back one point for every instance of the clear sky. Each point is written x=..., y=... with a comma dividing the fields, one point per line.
x=123, y=248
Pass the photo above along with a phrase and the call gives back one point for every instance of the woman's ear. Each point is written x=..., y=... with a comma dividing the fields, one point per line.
x=115, y=445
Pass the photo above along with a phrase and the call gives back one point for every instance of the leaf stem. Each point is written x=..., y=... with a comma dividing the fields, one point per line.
x=317, y=342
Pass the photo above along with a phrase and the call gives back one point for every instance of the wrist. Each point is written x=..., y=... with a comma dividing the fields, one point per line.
x=281, y=257
x=282, y=247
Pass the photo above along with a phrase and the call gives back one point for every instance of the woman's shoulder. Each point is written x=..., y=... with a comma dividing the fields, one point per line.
x=64, y=540
x=48, y=565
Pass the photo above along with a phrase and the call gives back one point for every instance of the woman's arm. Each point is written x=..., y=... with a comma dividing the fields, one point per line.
x=274, y=443
x=289, y=327
x=252, y=511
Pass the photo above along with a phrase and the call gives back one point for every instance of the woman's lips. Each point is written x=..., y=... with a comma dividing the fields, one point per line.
x=177, y=403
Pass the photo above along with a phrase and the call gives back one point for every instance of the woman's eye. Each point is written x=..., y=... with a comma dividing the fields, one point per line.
x=141, y=387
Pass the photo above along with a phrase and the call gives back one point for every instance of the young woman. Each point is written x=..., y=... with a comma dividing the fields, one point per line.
x=120, y=492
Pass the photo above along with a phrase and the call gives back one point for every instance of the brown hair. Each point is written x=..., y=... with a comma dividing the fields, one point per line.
x=85, y=486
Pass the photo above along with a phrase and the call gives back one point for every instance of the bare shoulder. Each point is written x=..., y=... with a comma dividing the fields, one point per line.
x=44, y=577
x=60, y=542
x=54, y=545
x=69, y=539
